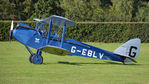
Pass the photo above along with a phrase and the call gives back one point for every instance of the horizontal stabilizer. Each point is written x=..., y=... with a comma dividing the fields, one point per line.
x=55, y=50
x=128, y=58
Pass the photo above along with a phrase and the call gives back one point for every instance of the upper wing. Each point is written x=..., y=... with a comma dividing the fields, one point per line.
x=57, y=20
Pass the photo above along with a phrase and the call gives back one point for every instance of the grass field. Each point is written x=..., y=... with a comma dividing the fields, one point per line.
x=16, y=69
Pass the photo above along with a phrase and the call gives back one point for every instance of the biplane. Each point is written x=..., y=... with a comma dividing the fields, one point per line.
x=46, y=37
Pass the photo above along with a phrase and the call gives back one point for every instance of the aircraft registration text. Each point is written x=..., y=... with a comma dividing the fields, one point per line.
x=87, y=52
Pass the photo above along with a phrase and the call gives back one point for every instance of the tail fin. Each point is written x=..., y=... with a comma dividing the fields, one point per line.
x=130, y=50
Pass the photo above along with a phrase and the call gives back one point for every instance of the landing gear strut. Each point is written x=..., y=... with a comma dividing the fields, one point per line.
x=123, y=63
x=30, y=58
x=35, y=58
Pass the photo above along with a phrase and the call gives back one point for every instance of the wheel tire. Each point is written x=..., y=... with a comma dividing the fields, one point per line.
x=37, y=59
x=30, y=58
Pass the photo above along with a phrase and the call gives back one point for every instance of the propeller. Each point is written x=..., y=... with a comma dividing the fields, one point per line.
x=11, y=30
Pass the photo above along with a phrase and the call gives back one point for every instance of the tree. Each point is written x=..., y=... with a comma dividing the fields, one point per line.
x=16, y=9
x=28, y=8
x=143, y=12
x=124, y=8
x=82, y=10
x=5, y=9
x=77, y=10
x=46, y=8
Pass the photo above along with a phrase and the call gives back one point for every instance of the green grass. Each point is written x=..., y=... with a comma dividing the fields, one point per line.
x=16, y=69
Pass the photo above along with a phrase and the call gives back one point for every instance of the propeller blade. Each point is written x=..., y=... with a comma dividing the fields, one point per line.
x=11, y=26
x=11, y=29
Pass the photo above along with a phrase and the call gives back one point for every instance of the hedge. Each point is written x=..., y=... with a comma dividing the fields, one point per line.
x=5, y=28
x=95, y=31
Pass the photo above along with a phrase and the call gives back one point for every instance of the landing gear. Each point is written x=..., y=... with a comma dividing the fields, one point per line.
x=35, y=58
x=123, y=63
x=30, y=58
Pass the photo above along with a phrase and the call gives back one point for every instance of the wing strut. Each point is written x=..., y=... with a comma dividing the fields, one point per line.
x=49, y=33
x=63, y=35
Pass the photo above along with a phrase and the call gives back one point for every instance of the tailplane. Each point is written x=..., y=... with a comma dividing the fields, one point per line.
x=130, y=50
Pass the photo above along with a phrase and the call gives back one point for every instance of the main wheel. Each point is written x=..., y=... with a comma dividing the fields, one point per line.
x=37, y=59
x=30, y=58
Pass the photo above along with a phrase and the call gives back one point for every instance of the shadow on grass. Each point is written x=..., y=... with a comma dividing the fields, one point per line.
x=80, y=64
x=122, y=63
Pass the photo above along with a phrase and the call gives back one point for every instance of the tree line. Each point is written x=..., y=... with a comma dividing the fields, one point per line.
x=77, y=10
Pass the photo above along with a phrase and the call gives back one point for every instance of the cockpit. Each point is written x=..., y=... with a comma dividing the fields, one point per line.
x=52, y=26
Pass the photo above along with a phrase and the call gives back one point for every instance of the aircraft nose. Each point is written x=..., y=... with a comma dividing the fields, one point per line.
x=13, y=33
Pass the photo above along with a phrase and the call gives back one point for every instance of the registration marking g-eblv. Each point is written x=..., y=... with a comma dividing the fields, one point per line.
x=86, y=52
x=101, y=55
x=78, y=50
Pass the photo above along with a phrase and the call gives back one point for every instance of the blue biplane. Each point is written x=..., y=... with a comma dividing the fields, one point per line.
x=45, y=37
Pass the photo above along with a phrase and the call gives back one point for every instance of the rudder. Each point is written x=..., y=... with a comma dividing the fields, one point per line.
x=130, y=49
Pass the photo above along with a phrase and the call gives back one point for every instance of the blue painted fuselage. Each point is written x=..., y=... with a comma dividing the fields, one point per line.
x=37, y=39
